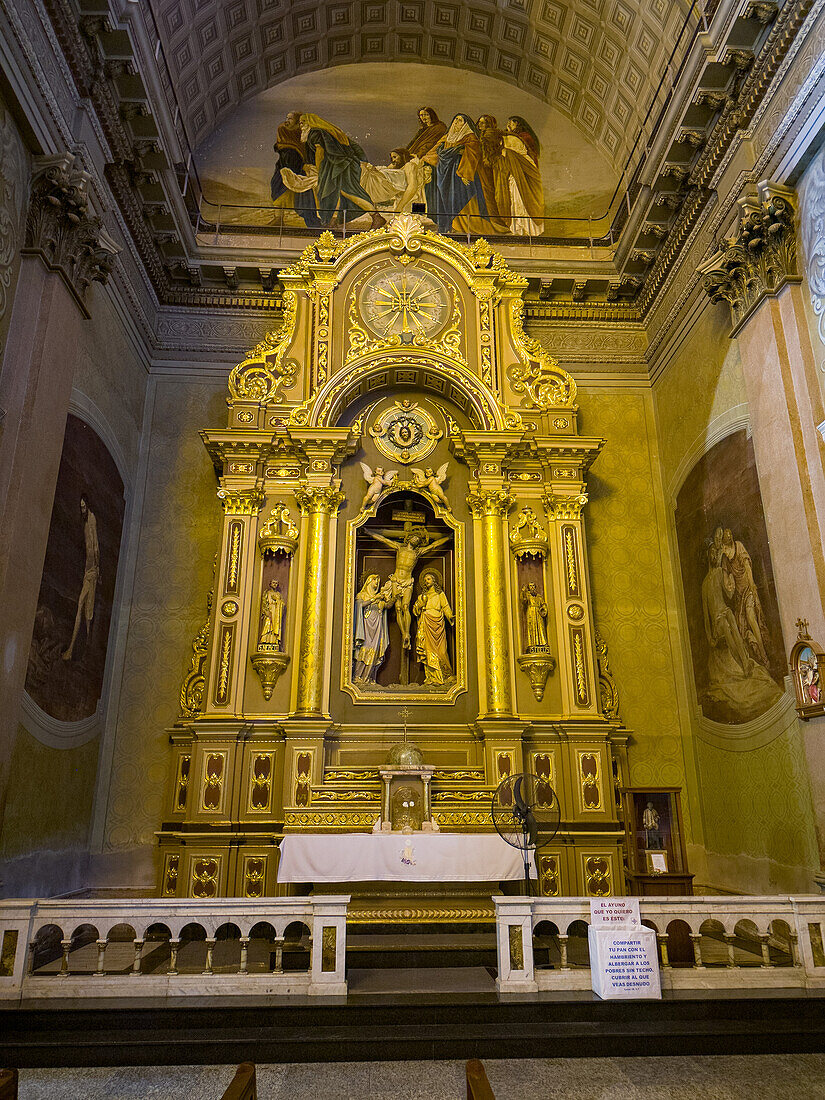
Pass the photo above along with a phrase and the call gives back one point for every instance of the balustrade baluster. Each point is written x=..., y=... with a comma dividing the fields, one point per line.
x=101, y=958
x=173, y=958
x=729, y=938
x=64, y=962
x=30, y=957
x=794, y=940
x=136, y=961
x=565, y=965
x=696, y=938
x=210, y=947
x=662, y=938
x=242, y=969
x=279, y=955
x=764, y=938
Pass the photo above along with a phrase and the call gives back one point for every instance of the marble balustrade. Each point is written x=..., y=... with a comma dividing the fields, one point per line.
x=705, y=942
x=152, y=947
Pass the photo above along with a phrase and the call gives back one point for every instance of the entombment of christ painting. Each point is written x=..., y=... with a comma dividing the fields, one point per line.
x=733, y=617
x=67, y=658
x=341, y=148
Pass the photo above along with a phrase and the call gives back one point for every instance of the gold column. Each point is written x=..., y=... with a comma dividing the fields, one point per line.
x=491, y=507
x=318, y=504
x=568, y=556
x=233, y=584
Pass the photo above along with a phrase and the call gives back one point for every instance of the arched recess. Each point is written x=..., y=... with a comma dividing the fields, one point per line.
x=419, y=370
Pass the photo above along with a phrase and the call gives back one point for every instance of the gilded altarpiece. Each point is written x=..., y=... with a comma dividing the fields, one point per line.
x=403, y=546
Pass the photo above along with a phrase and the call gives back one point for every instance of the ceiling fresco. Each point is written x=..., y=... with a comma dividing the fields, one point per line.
x=597, y=62
x=357, y=143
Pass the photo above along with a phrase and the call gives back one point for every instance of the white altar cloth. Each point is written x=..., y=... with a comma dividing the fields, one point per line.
x=395, y=857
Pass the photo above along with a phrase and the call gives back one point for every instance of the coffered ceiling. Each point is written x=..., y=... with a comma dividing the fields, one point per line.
x=597, y=61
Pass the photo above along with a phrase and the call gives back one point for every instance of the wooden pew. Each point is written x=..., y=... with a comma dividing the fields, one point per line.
x=243, y=1086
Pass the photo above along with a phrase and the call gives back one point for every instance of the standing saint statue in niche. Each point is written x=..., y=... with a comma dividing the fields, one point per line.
x=370, y=635
x=535, y=616
x=433, y=612
x=272, y=615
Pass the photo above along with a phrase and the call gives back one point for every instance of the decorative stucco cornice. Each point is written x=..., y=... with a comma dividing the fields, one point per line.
x=60, y=229
x=760, y=259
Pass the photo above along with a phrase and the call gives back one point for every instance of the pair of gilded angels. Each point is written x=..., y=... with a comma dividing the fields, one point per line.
x=427, y=481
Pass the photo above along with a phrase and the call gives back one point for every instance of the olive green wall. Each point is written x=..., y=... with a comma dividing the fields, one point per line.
x=177, y=542
x=752, y=793
x=46, y=821
x=109, y=388
x=631, y=588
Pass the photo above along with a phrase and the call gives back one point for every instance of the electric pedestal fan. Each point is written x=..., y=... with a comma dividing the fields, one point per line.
x=526, y=813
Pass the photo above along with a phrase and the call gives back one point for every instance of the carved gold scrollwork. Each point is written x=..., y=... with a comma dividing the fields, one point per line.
x=549, y=876
x=170, y=876
x=597, y=876
x=233, y=558
x=192, y=688
x=214, y=769
x=571, y=562
x=254, y=876
x=537, y=667
x=580, y=688
x=182, y=782
x=590, y=776
x=528, y=539
x=266, y=371
x=222, y=682
x=539, y=376
x=269, y=667
x=205, y=876
x=278, y=535
x=260, y=781
x=608, y=691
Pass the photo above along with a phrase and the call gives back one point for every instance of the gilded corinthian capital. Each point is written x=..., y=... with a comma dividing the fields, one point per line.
x=319, y=498
x=242, y=502
x=564, y=507
x=759, y=259
x=60, y=228
x=496, y=502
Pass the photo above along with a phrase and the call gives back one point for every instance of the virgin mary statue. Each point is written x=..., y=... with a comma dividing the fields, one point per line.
x=371, y=635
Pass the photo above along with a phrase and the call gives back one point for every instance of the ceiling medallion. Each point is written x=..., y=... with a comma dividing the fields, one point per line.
x=405, y=432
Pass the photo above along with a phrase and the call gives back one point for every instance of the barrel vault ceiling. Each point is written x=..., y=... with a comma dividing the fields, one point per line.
x=596, y=61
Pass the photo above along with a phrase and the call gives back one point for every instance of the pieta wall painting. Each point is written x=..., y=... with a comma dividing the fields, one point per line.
x=733, y=617
x=67, y=658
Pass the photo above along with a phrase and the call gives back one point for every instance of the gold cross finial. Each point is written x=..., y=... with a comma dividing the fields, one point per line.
x=404, y=714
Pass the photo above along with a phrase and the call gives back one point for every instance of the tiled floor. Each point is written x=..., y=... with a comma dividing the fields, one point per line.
x=760, y=1077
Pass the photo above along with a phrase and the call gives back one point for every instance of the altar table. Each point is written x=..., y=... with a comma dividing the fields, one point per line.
x=396, y=857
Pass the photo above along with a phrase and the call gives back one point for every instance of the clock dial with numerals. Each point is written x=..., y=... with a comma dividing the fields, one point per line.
x=404, y=301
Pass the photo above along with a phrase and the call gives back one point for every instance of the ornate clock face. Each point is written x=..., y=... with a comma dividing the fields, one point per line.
x=405, y=302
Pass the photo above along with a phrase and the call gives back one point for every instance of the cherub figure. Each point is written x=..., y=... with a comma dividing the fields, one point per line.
x=376, y=484
x=430, y=482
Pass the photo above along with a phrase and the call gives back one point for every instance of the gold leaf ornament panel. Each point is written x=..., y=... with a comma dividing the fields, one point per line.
x=404, y=301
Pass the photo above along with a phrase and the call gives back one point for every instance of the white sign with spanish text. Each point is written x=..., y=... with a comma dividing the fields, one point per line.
x=624, y=961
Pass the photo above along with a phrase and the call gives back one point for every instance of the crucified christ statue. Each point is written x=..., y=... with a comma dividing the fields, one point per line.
x=397, y=589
